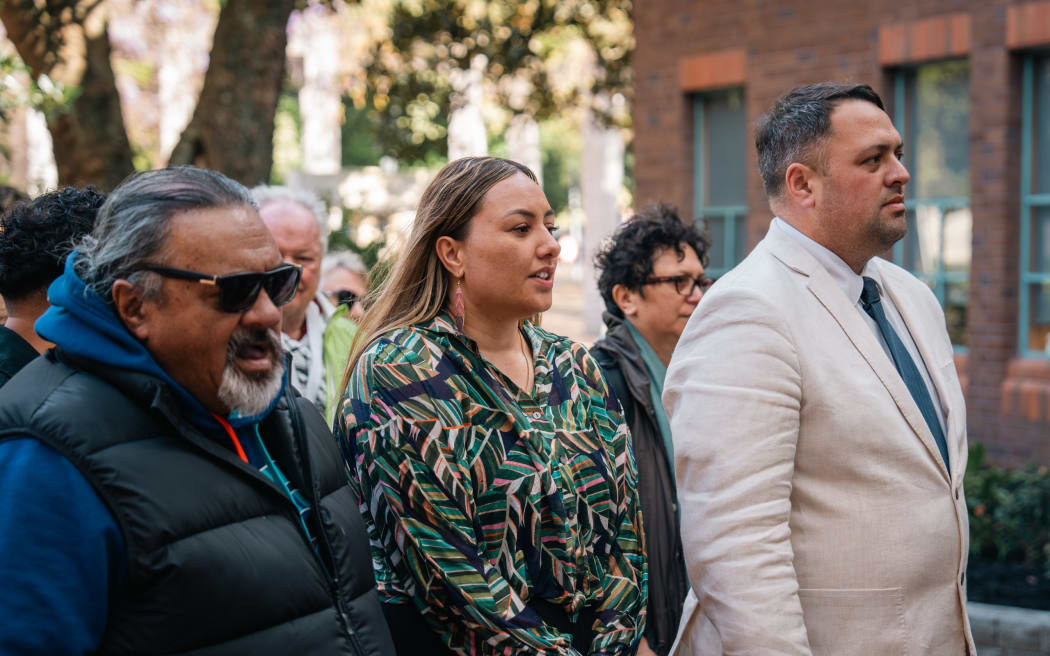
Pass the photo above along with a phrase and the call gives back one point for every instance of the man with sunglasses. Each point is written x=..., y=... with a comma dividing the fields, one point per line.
x=651, y=276
x=316, y=332
x=165, y=490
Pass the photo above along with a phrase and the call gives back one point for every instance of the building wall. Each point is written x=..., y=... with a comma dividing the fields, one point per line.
x=769, y=46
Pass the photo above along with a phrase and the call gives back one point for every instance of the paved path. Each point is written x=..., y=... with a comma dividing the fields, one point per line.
x=566, y=314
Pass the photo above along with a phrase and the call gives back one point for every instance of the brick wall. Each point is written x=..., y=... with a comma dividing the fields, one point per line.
x=777, y=45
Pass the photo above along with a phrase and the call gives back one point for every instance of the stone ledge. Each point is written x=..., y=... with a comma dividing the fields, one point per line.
x=1009, y=631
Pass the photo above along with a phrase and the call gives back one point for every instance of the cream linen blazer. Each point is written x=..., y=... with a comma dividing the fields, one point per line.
x=817, y=515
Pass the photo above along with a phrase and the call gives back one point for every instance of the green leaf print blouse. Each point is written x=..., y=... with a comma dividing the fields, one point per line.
x=479, y=497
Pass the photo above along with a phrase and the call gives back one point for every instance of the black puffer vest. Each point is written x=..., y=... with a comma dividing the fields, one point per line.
x=216, y=560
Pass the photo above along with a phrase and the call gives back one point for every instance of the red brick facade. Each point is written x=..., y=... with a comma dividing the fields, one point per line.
x=768, y=47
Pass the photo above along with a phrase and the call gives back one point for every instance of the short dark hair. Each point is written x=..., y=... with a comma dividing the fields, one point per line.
x=797, y=123
x=627, y=257
x=37, y=235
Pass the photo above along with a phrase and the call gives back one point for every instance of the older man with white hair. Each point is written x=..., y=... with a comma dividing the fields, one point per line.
x=316, y=333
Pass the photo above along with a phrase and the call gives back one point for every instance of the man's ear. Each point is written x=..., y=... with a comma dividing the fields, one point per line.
x=450, y=252
x=131, y=308
x=626, y=299
x=800, y=184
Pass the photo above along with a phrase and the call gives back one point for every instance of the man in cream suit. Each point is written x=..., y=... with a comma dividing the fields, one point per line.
x=818, y=422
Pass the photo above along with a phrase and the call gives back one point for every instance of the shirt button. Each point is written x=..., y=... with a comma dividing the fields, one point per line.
x=537, y=415
x=957, y=494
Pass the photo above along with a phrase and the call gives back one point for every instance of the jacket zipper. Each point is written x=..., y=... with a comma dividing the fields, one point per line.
x=300, y=436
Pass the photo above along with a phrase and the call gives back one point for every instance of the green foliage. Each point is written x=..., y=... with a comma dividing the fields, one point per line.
x=409, y=80
x=560, y=147
x=1009, y=512
x=288, y=128
x=43, y=94
x=360, y=145
x=339, y=240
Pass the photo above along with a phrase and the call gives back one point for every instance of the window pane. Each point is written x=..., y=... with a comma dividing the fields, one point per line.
x=716, y=233
x=1039, y=257
x=1041, y=129
x=741, y=238
x=958, y=239
x=1039, y=321
x=922, y=245
x=939, y=115
x=955, y=297
x=725, y=148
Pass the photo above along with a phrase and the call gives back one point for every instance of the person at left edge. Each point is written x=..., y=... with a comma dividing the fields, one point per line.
x=164, y=491
x=35, y=238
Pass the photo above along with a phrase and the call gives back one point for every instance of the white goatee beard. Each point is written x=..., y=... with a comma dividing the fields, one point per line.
x=245, y=394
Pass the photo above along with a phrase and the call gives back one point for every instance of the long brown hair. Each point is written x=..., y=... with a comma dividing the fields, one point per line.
x=417, y=288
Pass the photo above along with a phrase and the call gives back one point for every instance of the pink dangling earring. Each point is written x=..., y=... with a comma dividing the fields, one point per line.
x=459, y=312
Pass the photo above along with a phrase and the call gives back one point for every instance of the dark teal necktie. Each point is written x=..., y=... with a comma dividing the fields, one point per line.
x=869, y=298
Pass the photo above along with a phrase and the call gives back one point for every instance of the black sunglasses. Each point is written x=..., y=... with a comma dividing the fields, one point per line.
x=343, y=297
x=238, y=291
x=683, y=284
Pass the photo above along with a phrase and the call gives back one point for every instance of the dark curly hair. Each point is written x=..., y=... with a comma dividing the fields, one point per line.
x=627, y=257
x=36, y=236
x=9, y=197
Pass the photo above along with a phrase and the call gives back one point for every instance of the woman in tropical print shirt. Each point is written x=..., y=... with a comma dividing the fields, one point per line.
x=495, y=474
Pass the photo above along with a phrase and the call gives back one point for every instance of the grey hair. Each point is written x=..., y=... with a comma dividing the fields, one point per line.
x=133, y=224
x=348, y=260
x=795, y=128
x=266, y=194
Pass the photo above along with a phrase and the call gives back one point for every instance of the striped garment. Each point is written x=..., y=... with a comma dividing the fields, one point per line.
x=479, y=497
x=307, y=373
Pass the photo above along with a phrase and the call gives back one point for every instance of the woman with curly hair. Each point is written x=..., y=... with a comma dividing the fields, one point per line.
x=651, y=278
x=496, y=477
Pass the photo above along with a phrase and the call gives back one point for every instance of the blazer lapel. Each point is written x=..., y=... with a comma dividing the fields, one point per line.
x=848, y=318
x=911, y=313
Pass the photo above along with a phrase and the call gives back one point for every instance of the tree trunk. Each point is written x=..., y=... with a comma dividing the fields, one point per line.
x=232, y=127
x=90, y=144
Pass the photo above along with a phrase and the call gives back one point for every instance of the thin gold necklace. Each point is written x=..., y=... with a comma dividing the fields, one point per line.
x=528, y=365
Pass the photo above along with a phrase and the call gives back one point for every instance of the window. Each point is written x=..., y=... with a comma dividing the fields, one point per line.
x=720, y=153
x=932, y=113
x=1034, y=310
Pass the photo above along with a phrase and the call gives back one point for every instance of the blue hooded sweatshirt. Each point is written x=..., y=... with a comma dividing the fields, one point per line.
x=60, y=548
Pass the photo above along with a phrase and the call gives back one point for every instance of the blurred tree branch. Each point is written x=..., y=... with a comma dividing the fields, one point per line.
x=410, y=80
x=66, y=41
x=232, y=127
x=231, y=130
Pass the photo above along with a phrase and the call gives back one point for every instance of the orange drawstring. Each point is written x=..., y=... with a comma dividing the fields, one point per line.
x=233, y=436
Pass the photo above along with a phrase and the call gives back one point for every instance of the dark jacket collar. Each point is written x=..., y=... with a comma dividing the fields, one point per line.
x=619, y=343
x=15, y=353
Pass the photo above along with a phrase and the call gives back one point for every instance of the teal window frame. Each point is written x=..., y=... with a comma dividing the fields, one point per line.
x=1029, y=200
x=704, y=213
x=940, y=278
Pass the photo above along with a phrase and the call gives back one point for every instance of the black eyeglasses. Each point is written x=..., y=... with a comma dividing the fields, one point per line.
x=683, y=284
x=238, y=291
